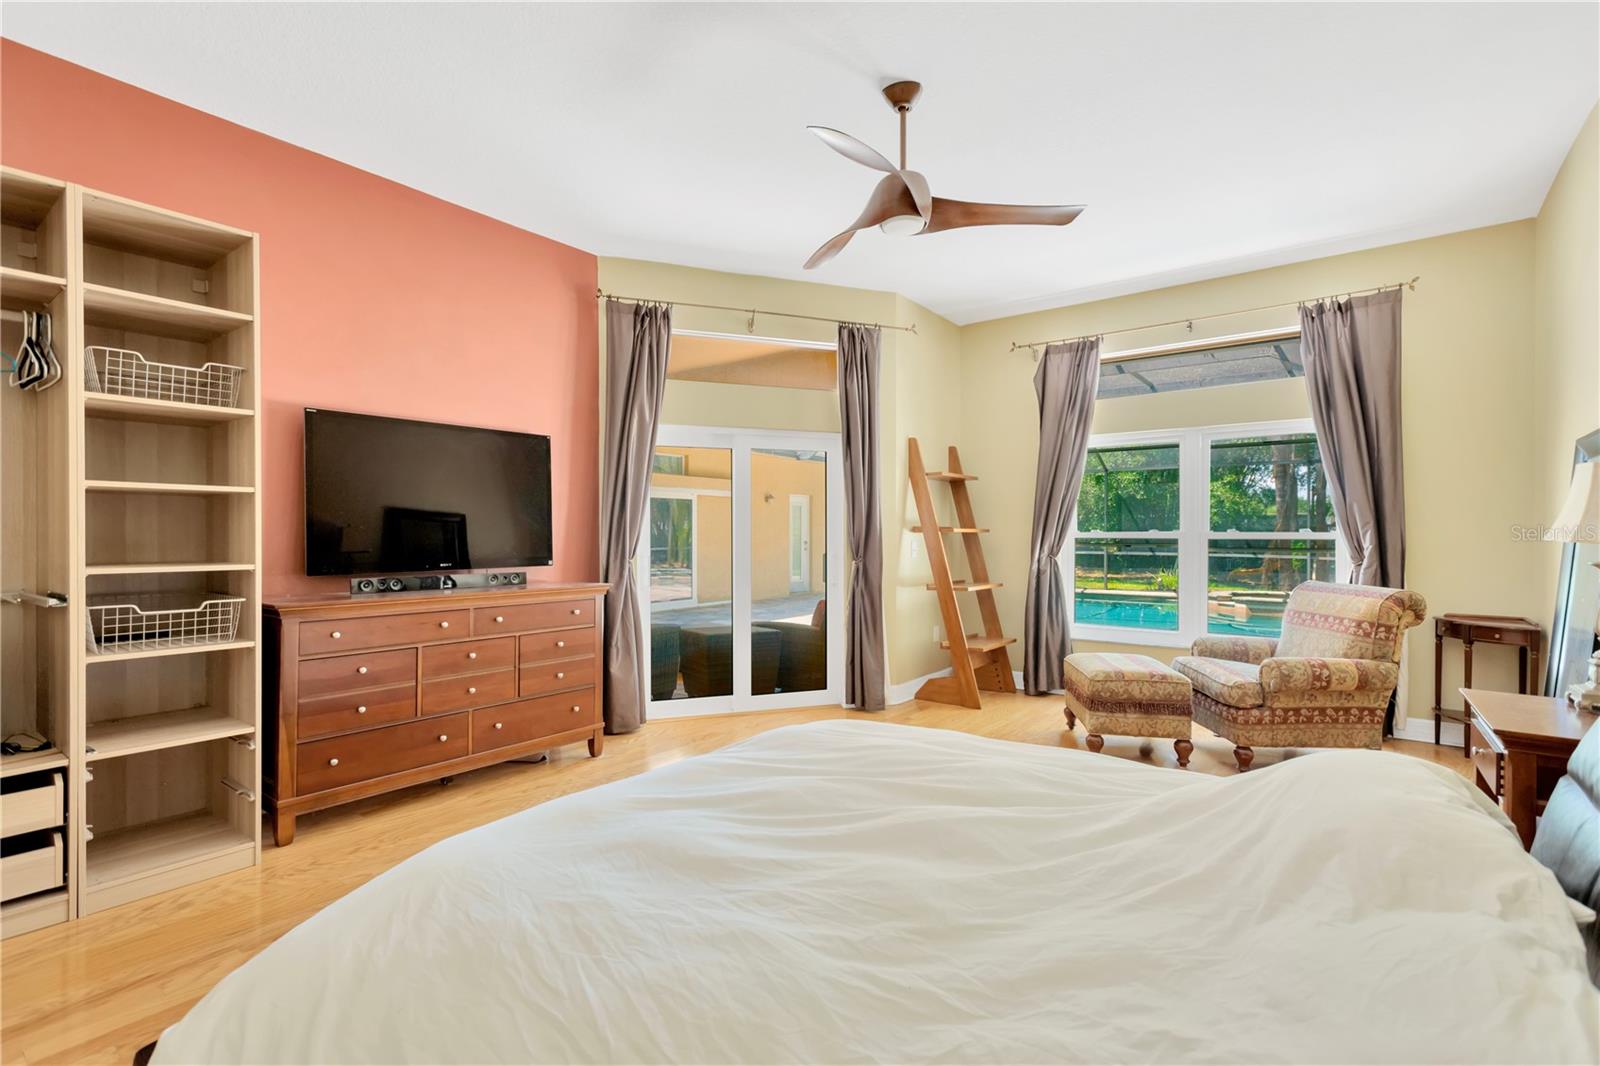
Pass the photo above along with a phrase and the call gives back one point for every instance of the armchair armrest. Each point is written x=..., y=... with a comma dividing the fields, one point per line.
x=1235, y=649
x=1329, y=675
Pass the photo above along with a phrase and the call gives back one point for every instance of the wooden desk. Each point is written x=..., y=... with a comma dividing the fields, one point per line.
x=1469, y=629
x=1519, y=747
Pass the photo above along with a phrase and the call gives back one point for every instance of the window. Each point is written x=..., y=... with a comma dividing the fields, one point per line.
x=1126, y=558
x=1198, y=531
x=663, y=463
x=1237, y=363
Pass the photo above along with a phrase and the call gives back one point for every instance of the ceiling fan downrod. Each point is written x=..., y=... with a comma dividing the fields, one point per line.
x=901, y=95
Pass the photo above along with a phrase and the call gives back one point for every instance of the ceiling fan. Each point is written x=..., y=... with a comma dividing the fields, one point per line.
x=901, y=203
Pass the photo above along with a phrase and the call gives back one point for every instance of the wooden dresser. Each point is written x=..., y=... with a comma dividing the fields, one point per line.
x=375, y=693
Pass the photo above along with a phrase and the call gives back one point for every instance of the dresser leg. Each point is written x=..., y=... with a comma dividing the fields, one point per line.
x=597, y=743
x=282, y=829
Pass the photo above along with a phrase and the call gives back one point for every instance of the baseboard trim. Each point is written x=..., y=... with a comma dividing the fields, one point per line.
x=1421, y=730
x=906, y=691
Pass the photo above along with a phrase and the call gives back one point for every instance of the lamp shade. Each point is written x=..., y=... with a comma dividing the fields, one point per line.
x=1578, y=521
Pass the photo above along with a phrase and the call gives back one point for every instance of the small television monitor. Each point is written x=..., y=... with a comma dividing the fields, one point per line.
x=392, y=495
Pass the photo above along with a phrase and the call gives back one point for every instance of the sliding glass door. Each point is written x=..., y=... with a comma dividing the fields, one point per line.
x=741, y=565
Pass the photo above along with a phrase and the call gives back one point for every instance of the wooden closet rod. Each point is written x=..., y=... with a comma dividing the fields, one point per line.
x=1190, y=321
x=752, y=312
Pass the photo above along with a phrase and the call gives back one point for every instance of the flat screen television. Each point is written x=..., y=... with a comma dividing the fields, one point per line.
x=390, y=495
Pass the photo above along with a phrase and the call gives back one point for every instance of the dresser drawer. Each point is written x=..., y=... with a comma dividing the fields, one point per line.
x=349, y=673
x=536, y=679
x=1486, y=760
x=562, y=644
x=31, y=863
x=356, y=710
x=325, y=764
x=487, y=621
x=344, y=633
x=469, y=657
x=31, y=801
x=518, y=723
x=468, y=690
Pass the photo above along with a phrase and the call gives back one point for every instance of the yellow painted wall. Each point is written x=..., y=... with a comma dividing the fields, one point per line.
x=922, y=397
x=1468, y=395
x=1566, y=348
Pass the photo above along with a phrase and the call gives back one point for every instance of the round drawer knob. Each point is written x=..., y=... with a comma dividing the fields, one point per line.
x=561, y=644
x=577, y=610
x=443, y=737
x=333, y=762
x=361, y=669
x=560, y=675
x=444, y=625
x=472, y=690
x=337, y=634
x=499, y=725
x=362, y=709
x=576, y=708
x=499, y=618
x=472, y=655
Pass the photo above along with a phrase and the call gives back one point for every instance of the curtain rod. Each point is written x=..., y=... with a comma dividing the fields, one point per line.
x=1412, y=285
x=601, y=294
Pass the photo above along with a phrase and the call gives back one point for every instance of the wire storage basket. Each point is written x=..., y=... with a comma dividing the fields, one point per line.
x=162, y=620
x=121, y=372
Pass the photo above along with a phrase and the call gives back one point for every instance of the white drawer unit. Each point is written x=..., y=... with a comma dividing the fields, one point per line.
x=30, y=802
x=31, y=863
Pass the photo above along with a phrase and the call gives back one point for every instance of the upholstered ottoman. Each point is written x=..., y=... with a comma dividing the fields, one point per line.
x=1128, y=695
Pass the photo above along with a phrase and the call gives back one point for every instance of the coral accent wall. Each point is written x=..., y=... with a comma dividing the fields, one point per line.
x=375, y=297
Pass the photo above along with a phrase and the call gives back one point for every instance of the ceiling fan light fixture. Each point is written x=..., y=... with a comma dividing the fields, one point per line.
x=902, y=225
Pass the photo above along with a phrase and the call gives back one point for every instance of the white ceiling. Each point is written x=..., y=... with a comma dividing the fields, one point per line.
x=1205, y=138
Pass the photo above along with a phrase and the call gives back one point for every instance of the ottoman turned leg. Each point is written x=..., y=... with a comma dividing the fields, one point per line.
x=1243, y=755
x=1095, y=741
x=1072, y=719
x=1184, y=748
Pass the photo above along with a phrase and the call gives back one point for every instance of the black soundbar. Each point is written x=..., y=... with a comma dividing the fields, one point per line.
x=371, y=586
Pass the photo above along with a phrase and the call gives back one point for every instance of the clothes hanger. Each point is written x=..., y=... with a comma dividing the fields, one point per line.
x=30, y=366
x=52, y=364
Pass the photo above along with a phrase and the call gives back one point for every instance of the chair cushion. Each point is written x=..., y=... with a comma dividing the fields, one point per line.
x=1112, y=677
x=1233, y=683
x=1325, y=620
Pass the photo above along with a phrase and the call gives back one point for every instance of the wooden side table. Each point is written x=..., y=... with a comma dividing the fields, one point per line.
x=1519, y=747
x=1522, y=633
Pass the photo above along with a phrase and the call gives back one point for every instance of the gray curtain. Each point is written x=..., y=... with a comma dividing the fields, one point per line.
x=1351, y=350
x=638, y=337
x=1066, y=383
x=865, y=671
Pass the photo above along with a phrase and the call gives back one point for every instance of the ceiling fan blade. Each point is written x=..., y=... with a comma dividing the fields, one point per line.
x=918, y=186
x=834, y=246
x=890, y=197
x=955, y=214
x=853, y=149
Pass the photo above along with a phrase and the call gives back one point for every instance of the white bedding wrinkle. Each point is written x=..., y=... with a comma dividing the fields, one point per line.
x=854, y=891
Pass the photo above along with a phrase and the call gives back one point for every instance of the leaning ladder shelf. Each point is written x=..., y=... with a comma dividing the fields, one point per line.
x=978, y=661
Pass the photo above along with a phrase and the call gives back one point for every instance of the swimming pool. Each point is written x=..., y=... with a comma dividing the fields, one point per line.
x=1134, y=614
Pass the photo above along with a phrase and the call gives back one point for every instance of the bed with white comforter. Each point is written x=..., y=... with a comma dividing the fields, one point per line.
x=851, y=891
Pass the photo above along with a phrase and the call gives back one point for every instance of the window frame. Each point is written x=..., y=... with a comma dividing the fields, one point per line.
x=1194, y=534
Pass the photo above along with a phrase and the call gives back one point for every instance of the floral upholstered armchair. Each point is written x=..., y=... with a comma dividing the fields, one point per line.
x=1325, y=683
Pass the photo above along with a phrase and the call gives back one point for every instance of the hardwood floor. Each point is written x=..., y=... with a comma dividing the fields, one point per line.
x=97, y=989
